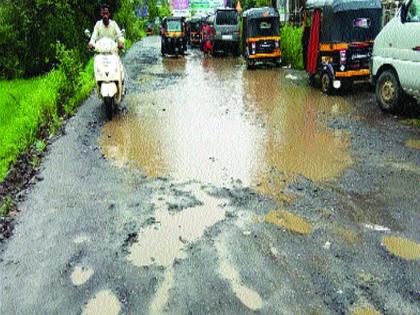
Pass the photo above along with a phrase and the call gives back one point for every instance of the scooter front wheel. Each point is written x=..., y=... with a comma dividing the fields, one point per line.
x=109, y=107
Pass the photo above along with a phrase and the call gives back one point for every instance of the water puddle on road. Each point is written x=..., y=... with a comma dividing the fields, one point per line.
x=220, y=123
x=402, y=247
x=164, y=242
x=365, y=310
x=81, y=275
x=104, y=303
x=413, y=144
x=289, y=221
x=249, y=297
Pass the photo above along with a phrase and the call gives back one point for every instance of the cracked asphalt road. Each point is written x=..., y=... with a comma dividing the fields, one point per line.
x=218, y=190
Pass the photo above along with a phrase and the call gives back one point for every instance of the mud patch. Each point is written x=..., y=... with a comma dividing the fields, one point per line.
x=248, y=297
x=81, y=275
x=365, y=310
x=413, y=143
x=289, y=221
x=402, y=247
x=104, y=302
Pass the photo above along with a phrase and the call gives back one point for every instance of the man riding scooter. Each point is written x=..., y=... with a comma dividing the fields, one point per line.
x=106, y=40
x=106, y=28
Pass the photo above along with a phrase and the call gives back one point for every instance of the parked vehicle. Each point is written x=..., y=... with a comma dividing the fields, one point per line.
x=225, y=26
x=173, y=36
x=195, y=28
x=396, y=58
x=261, y=36
x=109, y=74
x=341, y=40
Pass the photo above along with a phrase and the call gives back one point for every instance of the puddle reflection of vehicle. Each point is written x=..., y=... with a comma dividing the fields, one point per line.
x=338, y=45
x=173, y=40
x=174, y=65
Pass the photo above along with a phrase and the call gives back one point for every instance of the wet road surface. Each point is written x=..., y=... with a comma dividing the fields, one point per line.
x=218, y=190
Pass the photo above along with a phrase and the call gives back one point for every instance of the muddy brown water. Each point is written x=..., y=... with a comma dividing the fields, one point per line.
x=220, y=123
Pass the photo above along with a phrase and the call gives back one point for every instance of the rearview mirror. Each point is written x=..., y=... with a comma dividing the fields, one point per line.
x=87, y=33
x=123, y=32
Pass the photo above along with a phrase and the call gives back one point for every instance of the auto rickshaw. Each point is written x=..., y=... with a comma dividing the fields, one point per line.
x=340, y=35
x=195, y=28
x=173, y=36
x=261, y=36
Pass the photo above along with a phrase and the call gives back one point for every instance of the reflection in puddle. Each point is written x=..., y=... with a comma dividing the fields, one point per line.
x=81, y=275
x=220, y=123
x=401, y=247
x=104, y=303
x=289, y=221
x=412, y=143
x=246, y=295
x=365, y=310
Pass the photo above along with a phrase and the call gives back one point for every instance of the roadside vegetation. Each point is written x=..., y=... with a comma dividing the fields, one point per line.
x=291, y=42
x=45, y=68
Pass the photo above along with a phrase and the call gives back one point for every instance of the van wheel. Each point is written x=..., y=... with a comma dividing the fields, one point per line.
x=326, y=83
x=389, y=93
x=109, y=107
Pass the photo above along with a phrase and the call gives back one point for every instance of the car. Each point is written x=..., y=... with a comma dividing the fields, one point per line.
x=225, y=27
x=396, y=59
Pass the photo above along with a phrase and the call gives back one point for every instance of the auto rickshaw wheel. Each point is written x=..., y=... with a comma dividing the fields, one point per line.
x=326, y=83
x=389, y=93
x=311, y=79
x=250, y=64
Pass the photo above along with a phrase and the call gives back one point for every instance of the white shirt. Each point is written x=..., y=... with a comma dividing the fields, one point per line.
x=111, y=31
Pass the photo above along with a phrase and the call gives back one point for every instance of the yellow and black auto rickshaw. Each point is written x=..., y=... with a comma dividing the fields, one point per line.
x=338, y=40
x=195, y=29
x=261, y=36
x=173, y=36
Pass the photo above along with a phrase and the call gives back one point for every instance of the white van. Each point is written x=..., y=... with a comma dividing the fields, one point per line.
x=396, y=58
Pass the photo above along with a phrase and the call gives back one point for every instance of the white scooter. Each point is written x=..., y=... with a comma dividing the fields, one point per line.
x=109, y=74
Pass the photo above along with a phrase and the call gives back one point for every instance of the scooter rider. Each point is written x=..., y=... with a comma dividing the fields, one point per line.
x=106, y=28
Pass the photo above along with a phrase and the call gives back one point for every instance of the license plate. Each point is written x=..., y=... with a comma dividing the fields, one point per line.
x=227, y=37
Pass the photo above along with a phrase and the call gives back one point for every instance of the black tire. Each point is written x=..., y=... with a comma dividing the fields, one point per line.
x=235, y=51
x=311, y=80
x=277, y=63
x=388, y=91
x=109, y=107
x=326, y=83
x=250, y=64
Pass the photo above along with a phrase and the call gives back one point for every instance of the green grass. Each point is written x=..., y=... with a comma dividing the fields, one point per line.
x=291, y=43
x=5, y=206
x=28, y=105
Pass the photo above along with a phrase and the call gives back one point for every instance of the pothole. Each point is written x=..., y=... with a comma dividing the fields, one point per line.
x=289, y=221
x=402, y=247
x=104, y=303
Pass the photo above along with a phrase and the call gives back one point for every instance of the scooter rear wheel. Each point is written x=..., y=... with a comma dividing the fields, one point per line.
x=109, y=107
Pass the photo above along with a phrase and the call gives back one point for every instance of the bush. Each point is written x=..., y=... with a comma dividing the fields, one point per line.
x=291, y=42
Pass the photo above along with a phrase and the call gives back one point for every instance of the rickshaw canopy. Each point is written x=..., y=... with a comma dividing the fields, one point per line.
x=344, y=5
x=348, y=20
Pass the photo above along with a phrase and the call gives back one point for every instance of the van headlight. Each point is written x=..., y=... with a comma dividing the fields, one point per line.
x=253, y=47
x=277, y=43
